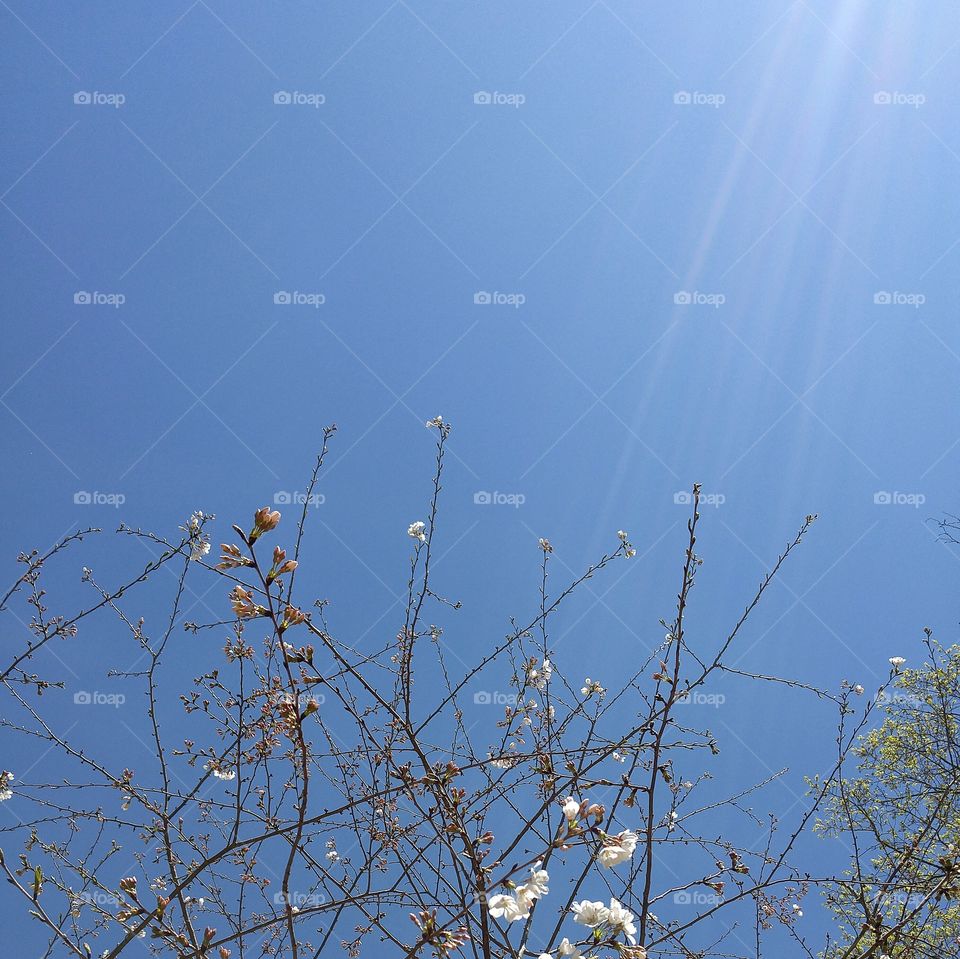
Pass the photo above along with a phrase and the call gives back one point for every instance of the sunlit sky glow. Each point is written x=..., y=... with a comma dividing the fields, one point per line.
x=823, y=181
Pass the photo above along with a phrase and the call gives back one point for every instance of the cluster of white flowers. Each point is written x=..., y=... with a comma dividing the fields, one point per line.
x=435, y=423
x=591, y=686
x=199, y=542
x=332, y=855
x=6, y=779
x=896, y=661
x=574, y=810
x=540, y=676
x=517, y=905
x=617, y=849
x=218, y=771
x=416, y=531
x=616, y=918
x=501, y=762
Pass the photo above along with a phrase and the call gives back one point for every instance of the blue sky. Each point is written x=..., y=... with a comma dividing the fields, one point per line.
x=724, y=247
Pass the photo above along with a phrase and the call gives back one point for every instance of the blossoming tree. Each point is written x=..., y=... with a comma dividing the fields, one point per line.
x=325, y=797
x=900, y=808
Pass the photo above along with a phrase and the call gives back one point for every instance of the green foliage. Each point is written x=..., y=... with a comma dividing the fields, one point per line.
x=899, y=815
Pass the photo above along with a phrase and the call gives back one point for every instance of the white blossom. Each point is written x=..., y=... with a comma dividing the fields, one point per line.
x=219, y=772
x=569, y=950
x=587, y=913
x=416, y=531
x=536, y=886
x=509, y=907
x=540, y=677
x=6, y=778
x=591, y=686
x=571, y=809
x=617, y=849
x=621, y=920
x=199, y=542
x=896, y=661
x=198, y=549
x=858, y=689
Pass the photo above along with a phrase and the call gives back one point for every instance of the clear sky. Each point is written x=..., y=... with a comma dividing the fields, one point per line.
x=719, y=243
